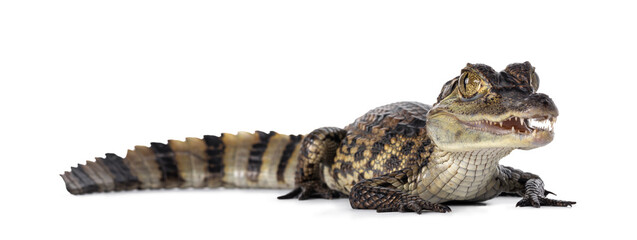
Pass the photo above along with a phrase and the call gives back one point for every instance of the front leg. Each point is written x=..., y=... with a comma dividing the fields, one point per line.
x=386, y=194
x=529, y=186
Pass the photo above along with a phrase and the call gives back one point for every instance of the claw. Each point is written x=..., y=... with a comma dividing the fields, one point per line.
x=312, y=190
x=444, y=209
x=291, y=194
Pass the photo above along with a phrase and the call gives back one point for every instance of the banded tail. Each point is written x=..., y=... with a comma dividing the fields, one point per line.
x=245, y=160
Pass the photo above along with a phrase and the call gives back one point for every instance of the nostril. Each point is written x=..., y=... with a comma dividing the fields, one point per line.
x=542, y=99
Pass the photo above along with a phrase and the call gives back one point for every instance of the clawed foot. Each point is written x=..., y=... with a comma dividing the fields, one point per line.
x=535, y=196
x=415, y=204
x=537, y=201
x=313, y=189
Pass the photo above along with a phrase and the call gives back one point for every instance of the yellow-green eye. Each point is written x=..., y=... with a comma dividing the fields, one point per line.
x=469, y=84
x=534, y=81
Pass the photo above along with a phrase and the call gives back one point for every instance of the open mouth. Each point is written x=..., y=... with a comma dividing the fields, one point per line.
x=517, y=125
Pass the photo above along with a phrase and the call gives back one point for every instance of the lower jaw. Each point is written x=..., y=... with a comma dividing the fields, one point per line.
x=540, y=140
x=470, y=142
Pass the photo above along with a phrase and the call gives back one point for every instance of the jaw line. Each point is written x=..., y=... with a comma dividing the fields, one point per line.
x=514, y=124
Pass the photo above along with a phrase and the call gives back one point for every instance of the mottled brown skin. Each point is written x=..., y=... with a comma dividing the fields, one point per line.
x=405, y=156
x=380, y=159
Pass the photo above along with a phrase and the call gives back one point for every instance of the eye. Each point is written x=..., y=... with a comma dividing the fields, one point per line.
x=534, y=81
x=469, y=84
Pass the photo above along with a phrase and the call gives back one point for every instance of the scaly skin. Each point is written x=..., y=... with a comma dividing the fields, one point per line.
x=405, y=156
x=408, y=156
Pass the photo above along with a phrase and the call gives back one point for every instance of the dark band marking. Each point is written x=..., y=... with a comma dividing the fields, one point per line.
x=418, y=122
x=393, y=162
x=256, y=155
x=424, y=152
x=377, y=147
x=404, y=179
x=107, y=180
x=215, y=152
x=86, y=183
x=165, y=158
x=285, y=158
x=345, y=169
x=119, y=163
x=119, y=180
x=407, y=147
x=406, y=130
x=130, y=181
x=360, y=153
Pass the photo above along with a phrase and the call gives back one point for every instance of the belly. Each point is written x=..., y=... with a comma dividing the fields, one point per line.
x=468, y=176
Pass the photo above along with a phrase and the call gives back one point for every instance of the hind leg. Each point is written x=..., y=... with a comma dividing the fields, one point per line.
x=318, y=148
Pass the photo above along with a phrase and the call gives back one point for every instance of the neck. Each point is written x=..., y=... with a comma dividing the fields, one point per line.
x=466, y=175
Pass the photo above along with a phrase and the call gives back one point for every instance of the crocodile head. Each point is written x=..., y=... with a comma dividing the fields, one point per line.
x=482, y=108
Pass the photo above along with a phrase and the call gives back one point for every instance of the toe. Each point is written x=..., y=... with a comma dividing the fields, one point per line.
x=291, y=194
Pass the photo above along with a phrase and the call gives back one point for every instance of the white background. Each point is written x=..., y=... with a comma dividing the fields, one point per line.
x=81, y=78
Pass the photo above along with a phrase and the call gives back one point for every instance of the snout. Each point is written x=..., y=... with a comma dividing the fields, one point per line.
x=531, y=105
x=540, y=104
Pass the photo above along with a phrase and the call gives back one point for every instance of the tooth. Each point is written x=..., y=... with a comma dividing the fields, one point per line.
x=513, y=129
x=522, y=121
x=534, y=132
x=500, y=124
